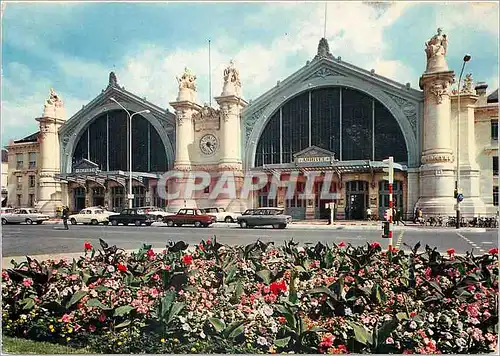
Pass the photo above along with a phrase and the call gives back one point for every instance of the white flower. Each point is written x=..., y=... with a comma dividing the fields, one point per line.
x=202, y=335
x=267, y=310
x=431, y=318
x=348, y=311
x=262, y=341
x=111, y=269
x=182, y=319
x=186, y=327
x=413, y=325
x=274, y=328
x=430, y=332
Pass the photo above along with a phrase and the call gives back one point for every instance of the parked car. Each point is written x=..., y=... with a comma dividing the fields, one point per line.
x=158, y=213
x=264, y=217
x=23, y=215
x=194, y=217
x=93, y=216
x=221, y=214
x=132, y=216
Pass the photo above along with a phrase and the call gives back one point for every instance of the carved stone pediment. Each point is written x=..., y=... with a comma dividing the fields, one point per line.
x=313, y=151
x=207, y=118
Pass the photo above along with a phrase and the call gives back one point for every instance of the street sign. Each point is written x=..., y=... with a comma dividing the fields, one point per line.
x=460, y=197
x=389, y=169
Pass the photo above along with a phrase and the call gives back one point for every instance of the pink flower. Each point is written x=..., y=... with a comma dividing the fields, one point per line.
x=150, y=253
x=375, y=244
x=450, y=251
x=5, y=276
x=493, y=251
x=341, y=244
x=27, y=282
x=155, y=277
x=66, y=318
x=167, y=268
x=102, y=318
x=92, y=328
x=389, y=341
x=154, y=292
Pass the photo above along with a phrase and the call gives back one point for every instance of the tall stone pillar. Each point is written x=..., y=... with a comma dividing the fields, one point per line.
x=49, y=194
x=185, y=106
x=469, y=170
x=437, y=171
x=231, y=104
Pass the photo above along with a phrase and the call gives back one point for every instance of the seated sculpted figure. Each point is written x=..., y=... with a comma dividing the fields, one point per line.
x=437, y=45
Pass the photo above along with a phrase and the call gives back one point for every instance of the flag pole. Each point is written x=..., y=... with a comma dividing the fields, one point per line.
x=209, y=75
x=324, y=29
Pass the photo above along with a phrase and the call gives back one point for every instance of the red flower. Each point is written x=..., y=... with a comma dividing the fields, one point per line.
x=392, y=249
x=209, y=242
x=282, y=320
x=200, y=246
x=5, y=275
x=122, y=268
x=493, y=251
x=341, y=244
x=87, y=246
x=413, y=314
x=375, y=244
x=150, y=253
x=187, y=259
x=450, y=251
x=276, y=287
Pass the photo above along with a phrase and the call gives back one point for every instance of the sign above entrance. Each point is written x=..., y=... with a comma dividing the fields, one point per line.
x=314, y=156
x=86, y=166
x=314, y=159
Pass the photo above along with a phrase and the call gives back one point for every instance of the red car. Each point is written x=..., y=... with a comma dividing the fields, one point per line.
x=189, y=216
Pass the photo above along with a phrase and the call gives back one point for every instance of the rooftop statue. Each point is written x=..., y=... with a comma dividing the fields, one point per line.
x=187, y=81
x=232, y=75
x=467, y=86
x=54, y=99
x=437, y=45
x=113, y=81
x=436, y=49
x=323, y=50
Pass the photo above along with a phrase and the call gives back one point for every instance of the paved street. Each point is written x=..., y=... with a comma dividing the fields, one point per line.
x=20, y=240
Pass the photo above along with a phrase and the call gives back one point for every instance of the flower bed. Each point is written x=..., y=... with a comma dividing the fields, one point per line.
x=257, y=299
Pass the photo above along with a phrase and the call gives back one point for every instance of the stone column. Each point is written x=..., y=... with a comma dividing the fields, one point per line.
x=469, y=184
x=49, y=188
x=412, y=190
x=185, y=106
x=436, y=172
x=231, y=105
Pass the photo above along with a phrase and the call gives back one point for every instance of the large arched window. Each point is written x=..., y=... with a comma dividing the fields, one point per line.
x=348, y=122
x=105, y=142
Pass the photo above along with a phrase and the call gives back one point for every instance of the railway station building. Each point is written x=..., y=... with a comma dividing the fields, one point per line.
x=328, y=117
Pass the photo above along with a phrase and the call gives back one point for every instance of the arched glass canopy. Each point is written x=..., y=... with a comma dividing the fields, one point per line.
x=348, y=122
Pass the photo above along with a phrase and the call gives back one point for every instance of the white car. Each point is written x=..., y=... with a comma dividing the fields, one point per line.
x=158, y=213
x=221, y=214
x=23, y=215
x=93, y=216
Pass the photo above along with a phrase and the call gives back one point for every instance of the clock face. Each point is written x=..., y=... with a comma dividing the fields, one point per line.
x=209, y=144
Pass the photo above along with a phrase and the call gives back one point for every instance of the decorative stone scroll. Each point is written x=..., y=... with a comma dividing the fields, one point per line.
x=439, y=89
x=207, y=118
x=325, y=72
x=409, y=110
x=181, y=116
x=250, y=122
x=323, y=50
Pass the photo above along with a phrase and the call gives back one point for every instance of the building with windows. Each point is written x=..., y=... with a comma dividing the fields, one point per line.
x=330, y=117
x=23, y=172
x=5, y=176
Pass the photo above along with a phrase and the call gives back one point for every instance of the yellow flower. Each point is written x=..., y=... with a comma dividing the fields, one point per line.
x=119, y=343
x=68, y=338
x=51, y=326
x=162, y=340
x=70, y=330
x=193, y=349
x=176, y=340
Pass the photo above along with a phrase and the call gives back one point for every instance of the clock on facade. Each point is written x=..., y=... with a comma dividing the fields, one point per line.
x=209, y=144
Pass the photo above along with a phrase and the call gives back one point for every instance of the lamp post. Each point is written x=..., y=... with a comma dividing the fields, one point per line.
x=130, y=195
x=467, y=58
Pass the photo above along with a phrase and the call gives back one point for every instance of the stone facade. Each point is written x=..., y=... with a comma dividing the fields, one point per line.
x=222, y=138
